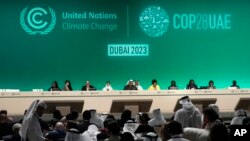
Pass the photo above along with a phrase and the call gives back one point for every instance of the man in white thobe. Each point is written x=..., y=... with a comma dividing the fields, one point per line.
x=189, y=115
x=158, y=119
x=31, y=129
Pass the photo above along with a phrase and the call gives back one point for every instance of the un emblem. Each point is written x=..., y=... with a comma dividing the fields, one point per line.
x=154, y=21
x=35, y=21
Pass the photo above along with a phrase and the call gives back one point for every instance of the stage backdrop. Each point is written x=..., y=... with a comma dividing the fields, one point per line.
x=117, y=40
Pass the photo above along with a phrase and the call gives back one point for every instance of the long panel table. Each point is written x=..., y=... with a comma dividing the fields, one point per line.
x=166, y=100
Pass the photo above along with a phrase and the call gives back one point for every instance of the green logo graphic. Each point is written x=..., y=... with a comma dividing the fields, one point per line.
x=35, y=21
x=154, y=21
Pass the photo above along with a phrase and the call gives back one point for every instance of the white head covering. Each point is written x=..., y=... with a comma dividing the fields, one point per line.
x=91, y=133
x=158, y=118
x=73, y=135
x=130, y=126
x=186, y=103
x=16, y=126
x=240, y=115
x=29, y=114
x=151, y=137
x=96, y=119
x=104, y=116
x=240, y=112
x=215, y=108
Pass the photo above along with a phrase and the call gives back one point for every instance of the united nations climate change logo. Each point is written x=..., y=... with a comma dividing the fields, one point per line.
x=35, y=21
x=154, y=21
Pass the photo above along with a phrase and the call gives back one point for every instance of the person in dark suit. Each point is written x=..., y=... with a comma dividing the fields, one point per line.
x=130, y=86
x=5, y=126
x=15, y=136
x=88, y=87
x=234, y=84
x=58, y=132
x=83, y=126
x=191, y=85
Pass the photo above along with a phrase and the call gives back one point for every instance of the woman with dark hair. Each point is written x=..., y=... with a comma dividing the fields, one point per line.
x=191, y=85
x=211, y=85
x=54, y=87
x=67, y=86
x=154, y=85
x=173, y=86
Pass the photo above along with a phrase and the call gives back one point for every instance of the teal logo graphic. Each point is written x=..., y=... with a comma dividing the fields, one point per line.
x=154, y=21
x=38, y=20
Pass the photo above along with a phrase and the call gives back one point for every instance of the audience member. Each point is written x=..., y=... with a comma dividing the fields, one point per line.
x=95, y=119
x=219, y=132
x=173, y=86
x=151, y=136
x=143, y=128
x=191, y=85
x=6, y=113
x=125, y=116
x=91, y=133
x=15, y=136
x=57, y=116
x=75, y=115
x=54, y=87
x=188, y=115
x=216, y=109
x=158, y=119
x=154, y=85
x=58, y=132
x=67, y=86
x=130, y=126
x=73, y=135
x=88, y=87
x=130, y=85
x=107, y=87
x=71, y=124
x=83, y=126
x=69, y=116
x=196, y=134
x=113, y=131
x=127, y=136
x=210, y=117
x=164, y=132
x=5, y=125
x=104, y=116
x=240, y=115
x=104, y=135
x=172, y=131
x=31, y=129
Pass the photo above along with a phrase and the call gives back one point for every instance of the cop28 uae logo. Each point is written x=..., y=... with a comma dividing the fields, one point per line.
x=37, y=20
